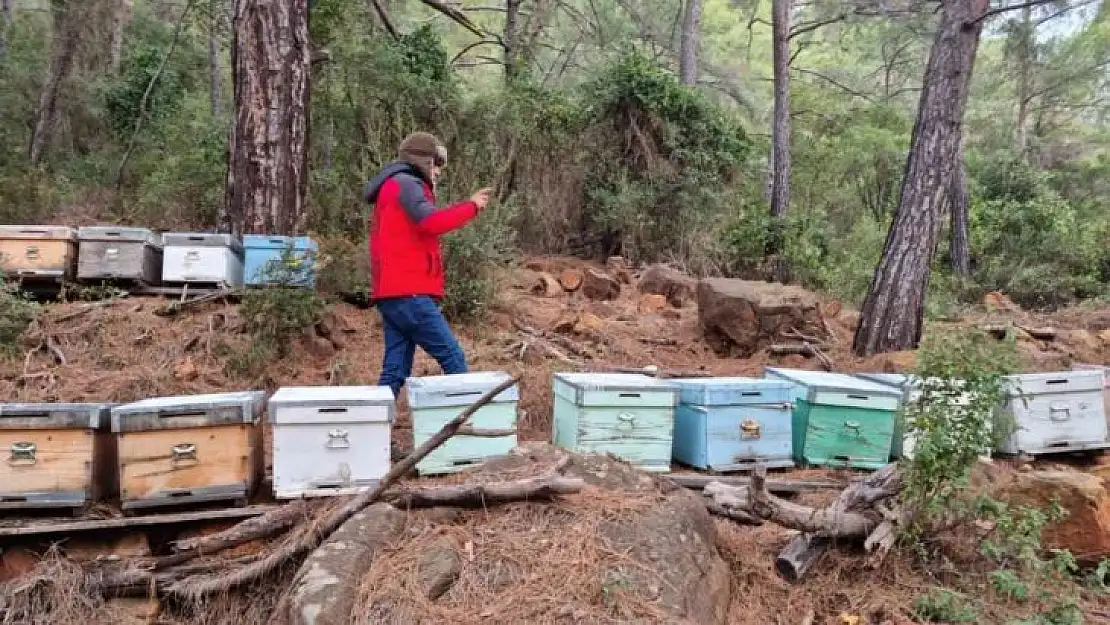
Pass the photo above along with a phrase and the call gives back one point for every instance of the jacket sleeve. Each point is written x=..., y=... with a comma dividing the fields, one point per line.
x=428, y=218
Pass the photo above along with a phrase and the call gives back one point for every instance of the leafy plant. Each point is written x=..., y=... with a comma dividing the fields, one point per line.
x=945, y=606
x=16, y=313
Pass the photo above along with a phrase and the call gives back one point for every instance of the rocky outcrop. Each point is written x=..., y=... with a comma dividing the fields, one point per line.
x=1085, y=532
x=739, y=317
x=598, y=285
x=672, y=284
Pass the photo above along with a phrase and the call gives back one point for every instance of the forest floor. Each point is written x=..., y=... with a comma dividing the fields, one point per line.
x=122, y=350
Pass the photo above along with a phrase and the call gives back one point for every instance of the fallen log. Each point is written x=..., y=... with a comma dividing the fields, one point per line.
x=196, y=588
x=808, y=350
x=795, y=560
x=269, y=524
x=478, y=495
x=782, y=486
x=466, y=430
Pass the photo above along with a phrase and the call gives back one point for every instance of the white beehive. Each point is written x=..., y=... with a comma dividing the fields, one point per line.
x=1054, y=412
x=203, y=258
x=330, y=440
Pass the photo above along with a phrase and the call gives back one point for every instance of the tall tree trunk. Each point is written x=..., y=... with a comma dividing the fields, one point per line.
x=267, y=174
x=510, y=38
x=1025, y=52
x=780, y=128
x=893, y=312
x=959, y=248
x=7, y=19
x=67, y=20
x=688, y=47
x=120, y=16
x=215, y=78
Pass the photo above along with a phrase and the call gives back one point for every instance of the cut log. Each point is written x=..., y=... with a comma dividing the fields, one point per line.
x=478, y=495
x=795, y=560
x=774, y=485
x=466, y=430
x=194, y=589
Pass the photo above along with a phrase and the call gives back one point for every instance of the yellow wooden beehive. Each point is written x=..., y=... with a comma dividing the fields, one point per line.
x=38, y=252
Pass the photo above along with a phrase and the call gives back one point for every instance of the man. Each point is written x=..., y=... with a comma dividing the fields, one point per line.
x=406, y=264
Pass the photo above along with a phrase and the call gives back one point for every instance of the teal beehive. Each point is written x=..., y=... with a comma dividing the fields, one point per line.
x=730, y=424
x=435, y=400
x=628, y=415
x=840, y=420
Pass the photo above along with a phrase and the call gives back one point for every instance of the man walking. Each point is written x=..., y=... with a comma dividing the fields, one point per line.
x=406, y=263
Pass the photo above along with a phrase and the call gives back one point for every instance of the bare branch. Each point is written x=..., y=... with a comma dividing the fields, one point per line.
x=1014, y=7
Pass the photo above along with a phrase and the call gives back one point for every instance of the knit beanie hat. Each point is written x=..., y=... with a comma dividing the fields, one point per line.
x=423, y=150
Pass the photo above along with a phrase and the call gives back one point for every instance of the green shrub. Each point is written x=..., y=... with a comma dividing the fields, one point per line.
x=16, y=313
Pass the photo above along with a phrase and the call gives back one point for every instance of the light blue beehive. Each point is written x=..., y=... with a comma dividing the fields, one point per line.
x=263, y=252
x=730, y=424
x=628, y=415
x=435, y=400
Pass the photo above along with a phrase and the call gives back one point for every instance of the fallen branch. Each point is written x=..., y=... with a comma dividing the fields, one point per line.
x=467, y=430
x=1043, y=334
x=733, y=514
x=478, y=495
x=257, y=528
x=809, y=350
x=795, y=560
x=173, y=308
x=293, y=549
x=785, y=486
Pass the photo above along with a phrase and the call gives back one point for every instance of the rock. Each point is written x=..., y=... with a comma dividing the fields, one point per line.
x=326, y=586
x=186, y=370
x=651, y=303
x=676, y=286
x=618, y=266
x=1104, y=336
x=570, y=279
x=588, y=322
x=996, y=301
x=1084, y=339
x=16, y=562
x=321, y=347
x=1086, y=530
x=600, y=286
x=742, y=317
x=546, y=286
x=134, y=610
x=438, y=569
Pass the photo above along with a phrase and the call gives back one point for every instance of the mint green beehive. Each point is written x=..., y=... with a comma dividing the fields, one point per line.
x=628, y=415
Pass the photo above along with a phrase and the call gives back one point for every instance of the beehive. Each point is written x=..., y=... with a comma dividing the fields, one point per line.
x=264, y=256
x=330, y=440
x=1105, y=382
x=730, y=424
x=840, y=420
x=57, y=455
x=202, y=258
x=38, y=252
x=188, y=449
x=1053, y=412
x=111, y=253
x=435, y=400
x=628, y=415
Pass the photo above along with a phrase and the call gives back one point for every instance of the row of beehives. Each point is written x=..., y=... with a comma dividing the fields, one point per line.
x=142, y=256
x=336, y=439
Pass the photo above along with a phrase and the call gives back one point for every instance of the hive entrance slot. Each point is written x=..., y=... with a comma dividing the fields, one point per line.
x=751, y=394
x=463, y=463
x=633, y=395
x=181, y=493
x=191, y=413
x=13, y=499
x=331, y=410
x=860, y=397
x=843, y=458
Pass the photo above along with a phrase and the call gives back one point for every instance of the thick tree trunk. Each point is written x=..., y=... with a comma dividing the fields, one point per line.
x=67, y=21
x=1025, y=52
x=894, y=310
x=959, y=251
x=780, y=128
x=688, y=47
x=215, y=78
x=510, y=38
x=267, y=174
x=120, y=16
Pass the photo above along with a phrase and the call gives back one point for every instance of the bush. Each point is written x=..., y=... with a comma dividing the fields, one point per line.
x=16, y=314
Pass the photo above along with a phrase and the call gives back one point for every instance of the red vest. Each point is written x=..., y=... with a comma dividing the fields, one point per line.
x=405, y=255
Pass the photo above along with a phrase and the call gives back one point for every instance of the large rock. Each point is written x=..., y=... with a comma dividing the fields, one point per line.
x=1086, y=530
x=740, y=317
x=676, y=286
x=599, y=285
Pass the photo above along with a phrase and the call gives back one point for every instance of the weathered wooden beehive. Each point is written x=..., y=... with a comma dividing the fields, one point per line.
x=112, y=253
x=1053, y=412
x=330, y=440
x=628, y=415
x=435, y=400
x=839, y=420
x=731, y=424
x=57, y=455
x=38, y=252
x=189, y=449
x=202, y=258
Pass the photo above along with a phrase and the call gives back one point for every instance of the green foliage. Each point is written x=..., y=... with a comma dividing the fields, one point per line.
x=469, y=257
x=123, y=99
x=16, y=313
x=945, y=606
x=1065, y=612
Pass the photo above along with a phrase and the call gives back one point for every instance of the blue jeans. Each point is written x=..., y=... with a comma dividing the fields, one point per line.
x=412, y=321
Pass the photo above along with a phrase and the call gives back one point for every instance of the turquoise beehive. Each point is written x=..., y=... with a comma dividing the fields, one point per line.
x=628, y=415
x=730, y=424
x=263, y=254
x=435, y=400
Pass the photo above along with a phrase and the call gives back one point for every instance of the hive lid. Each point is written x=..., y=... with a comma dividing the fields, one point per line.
x=277, y=242
x=730, y=391
x=616, y=382
x=1056, y=382
x=118, y=233
x=899, y=380
x=38, y=232
x=834, y=382
x=460, y=389
x=249, y=401
x=203, y=239
x=331, y=404
x=55, y=416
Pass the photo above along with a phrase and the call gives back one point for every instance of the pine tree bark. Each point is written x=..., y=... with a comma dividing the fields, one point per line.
x=780, y=127
x=688, y=46
x=67, y=19
x=267, y=175
x=1025, y=50
x=510, y=37
x=120, y=16
x=959, y=247
x=215, y=78
x=893, y=312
